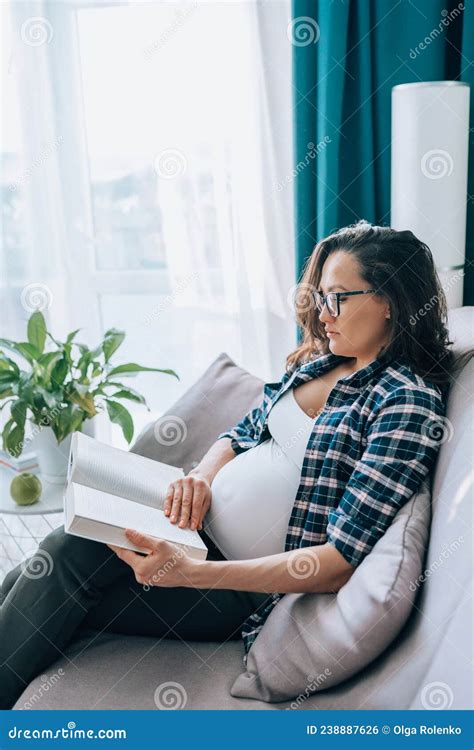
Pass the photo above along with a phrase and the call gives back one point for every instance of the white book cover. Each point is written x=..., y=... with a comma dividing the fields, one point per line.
x=109, y=490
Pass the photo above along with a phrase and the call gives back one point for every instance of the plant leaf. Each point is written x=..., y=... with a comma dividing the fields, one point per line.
x=84, y=362
x=72, y=335
x=131, y=394
x=27, y=350
x=9, y=424
x=48, y=357
x=67, y=354
x=37, y=330
x=18, y=412
x=59, y=371
x=8, y=376
x=68, y=420
x=85, y=401
x=7, y=343
x=14, y=440
x=97, y=369
x=122, y=417
x=6, y=363
x=50, y=398
x=58, y=343
x=25, y=388
x=112, y=340
x=131, y=369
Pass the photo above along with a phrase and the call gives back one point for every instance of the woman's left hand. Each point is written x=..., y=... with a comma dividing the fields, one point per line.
x=165, y=564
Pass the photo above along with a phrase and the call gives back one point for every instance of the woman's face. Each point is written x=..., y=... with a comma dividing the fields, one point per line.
x=362, y=326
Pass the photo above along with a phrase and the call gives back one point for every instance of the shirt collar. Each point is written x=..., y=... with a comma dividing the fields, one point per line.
x=357, y=379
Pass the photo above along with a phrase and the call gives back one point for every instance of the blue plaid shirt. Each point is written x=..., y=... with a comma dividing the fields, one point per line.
x=369, y=451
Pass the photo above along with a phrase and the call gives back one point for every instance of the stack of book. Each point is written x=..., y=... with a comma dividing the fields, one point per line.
x=26, y=462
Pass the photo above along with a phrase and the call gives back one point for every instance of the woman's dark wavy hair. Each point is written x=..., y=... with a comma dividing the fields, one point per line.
x=401, y=267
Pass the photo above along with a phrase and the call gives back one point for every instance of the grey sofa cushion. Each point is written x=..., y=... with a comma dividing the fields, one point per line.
x=216, y=401
x=311, y=642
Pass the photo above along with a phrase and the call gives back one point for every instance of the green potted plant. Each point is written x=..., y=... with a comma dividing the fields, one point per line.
x=61, y=390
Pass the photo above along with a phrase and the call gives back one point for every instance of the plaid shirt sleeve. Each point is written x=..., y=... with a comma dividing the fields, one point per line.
x=400, y=452
x=244, y=434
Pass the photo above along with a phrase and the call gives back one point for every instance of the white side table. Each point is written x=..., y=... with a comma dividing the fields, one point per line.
x=23, y=527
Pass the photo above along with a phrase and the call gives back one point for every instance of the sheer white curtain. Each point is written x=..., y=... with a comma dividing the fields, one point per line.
x=153, y=137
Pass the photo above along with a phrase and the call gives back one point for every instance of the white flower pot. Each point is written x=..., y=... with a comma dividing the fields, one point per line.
x=53, y=457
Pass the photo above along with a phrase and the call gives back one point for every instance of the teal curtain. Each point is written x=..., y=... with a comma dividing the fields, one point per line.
x=342, y=81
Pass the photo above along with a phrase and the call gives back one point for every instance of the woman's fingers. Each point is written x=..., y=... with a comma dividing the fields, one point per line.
x=198, y=502
x=187, y=501
x=204, y=508
x=176, y=503
x=168, y=499
x=141, y=540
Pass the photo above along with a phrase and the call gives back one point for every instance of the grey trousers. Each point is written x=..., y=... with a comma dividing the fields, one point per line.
x=72, y=585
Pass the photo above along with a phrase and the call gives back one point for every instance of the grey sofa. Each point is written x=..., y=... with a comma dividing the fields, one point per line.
x=107, y=671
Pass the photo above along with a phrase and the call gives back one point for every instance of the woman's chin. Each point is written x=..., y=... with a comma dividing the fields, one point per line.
x=337, y=347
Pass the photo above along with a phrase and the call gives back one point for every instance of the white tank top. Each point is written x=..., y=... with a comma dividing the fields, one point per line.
x=254, y=493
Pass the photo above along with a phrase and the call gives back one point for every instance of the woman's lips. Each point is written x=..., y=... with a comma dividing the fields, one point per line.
x=328, y=333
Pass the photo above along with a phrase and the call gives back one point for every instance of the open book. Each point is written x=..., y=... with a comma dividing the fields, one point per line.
x=109, y=490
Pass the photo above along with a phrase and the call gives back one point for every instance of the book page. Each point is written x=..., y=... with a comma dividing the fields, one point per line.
x=120, y=472
x=102, y=507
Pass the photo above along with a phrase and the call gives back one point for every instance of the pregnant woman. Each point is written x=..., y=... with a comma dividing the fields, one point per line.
x=294, y=496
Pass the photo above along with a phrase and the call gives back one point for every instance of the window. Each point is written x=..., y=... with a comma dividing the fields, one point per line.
x=149, y=215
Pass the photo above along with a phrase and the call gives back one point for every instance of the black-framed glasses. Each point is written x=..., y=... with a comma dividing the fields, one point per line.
x=332, y=300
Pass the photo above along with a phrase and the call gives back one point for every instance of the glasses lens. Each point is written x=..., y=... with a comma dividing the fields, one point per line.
x=332, y=304
x=319, y=301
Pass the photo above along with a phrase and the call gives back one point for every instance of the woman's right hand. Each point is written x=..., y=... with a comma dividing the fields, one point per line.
x=188, y=500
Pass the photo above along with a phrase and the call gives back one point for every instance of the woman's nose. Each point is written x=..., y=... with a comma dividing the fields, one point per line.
x=324, y=315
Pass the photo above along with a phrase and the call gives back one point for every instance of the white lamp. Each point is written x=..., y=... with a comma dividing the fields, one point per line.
x=430, y=130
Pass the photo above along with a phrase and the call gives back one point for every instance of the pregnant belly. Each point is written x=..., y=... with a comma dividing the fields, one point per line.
x=252, y=499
